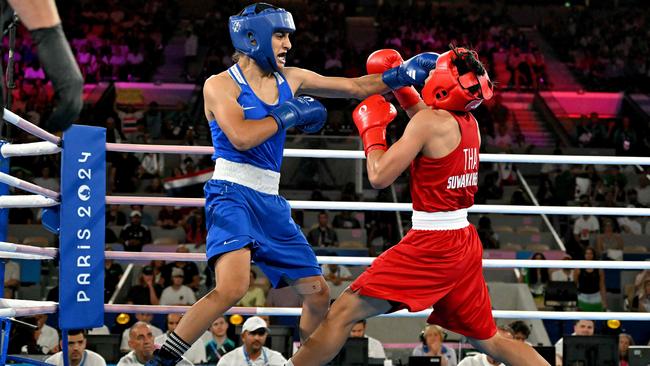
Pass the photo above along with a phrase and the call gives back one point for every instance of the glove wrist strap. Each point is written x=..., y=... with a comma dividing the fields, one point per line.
x=407, y=97
x=374, y=138
x=391, y=78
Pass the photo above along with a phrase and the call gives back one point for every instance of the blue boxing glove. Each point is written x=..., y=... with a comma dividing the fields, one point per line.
x=305, y=113
x=413, y=72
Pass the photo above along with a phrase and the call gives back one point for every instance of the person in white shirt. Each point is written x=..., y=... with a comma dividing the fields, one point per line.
x=78, y=355
x=141, y=317
x=48, y=338
x=142, y=347
x=196, y=353
x=630, y=225
x=12, y=279
x=483, y=359
x=581, y=328
x=177, y=293
x=563, y=275
x=585, y=227
x=252, y=352
x=375, y=348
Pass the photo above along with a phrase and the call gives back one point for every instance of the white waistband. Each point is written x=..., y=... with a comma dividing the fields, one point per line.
x=261, y=180
x=449, y=220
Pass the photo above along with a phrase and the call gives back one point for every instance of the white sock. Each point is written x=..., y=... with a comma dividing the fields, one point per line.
x=289, y=363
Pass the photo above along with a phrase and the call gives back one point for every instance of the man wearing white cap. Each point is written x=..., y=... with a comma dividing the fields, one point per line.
x=252, y=352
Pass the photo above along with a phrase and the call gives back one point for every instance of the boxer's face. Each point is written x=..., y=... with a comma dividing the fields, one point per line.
x=281, y=45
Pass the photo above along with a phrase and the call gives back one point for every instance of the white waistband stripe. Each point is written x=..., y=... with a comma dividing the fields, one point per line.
x=261, y=180
x=450, y=220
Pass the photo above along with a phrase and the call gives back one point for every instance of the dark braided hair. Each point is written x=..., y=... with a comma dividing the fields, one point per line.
x=467, y=61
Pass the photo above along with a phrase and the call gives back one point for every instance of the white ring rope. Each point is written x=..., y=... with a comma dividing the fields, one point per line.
x=388, y=206
x=30, y=149
x=26, y=201
x=18, y=305
x=46, y=253
x=358, y=154
x=366, y=261
x=27, y=126
x=27, y=186
x=9, y=255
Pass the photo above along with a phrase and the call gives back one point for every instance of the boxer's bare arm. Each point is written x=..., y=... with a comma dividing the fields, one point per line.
x=434, y=133
x=36, y=13
x=308, y=82
x=220, y=94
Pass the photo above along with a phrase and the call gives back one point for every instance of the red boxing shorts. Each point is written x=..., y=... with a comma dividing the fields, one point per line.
x=441, y=268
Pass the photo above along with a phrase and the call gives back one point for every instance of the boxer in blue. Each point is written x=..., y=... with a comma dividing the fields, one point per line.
x=249, y=107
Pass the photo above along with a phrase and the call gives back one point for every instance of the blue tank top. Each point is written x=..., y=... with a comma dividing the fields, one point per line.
x=267, y=155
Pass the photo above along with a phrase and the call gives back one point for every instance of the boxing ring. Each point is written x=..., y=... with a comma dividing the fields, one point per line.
x=81, y=251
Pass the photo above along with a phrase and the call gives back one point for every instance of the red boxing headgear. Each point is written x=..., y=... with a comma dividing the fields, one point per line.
x=449, y=90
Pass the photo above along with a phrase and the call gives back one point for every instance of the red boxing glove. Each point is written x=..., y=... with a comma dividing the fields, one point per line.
x=371, y=118
x=382, y=60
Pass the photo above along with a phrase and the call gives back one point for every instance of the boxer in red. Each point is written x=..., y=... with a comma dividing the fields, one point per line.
x=438, y=263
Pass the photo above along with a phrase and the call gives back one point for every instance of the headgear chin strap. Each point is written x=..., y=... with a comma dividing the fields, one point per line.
x=251, y=32
x=447, y=89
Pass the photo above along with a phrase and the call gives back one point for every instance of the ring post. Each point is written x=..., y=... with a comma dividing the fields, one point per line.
x=83, y=192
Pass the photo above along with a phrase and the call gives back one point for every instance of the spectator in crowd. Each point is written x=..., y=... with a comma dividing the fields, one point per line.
x=146, y=292
x=584, y=132
x=254, y=296
x=375, y=348
x=640, y=279
x=580, y=328
x=141, y=345
x=220, y=344
x=196, y=353
x=537, y=279
x=254, y=333
x=115, y=216
x=12, y=279
x=152, y=120
x=564, y=274
x=592, y=295
x=323, y=235
x=585, y=228
x=489, y=238
x=195, y=231
x=482, y=359
x=48, y=337
x=142, y=318
x=520, y=331
x=641, y=302
x=177, y=293
x=503, y=139
x=624, y=342
x=169, y=217
x=78, y=355
x=345, y=220
x=336, y=273
x=625, y=138
x=190, y=271
x=46, y=180
x=643, y=190
x=629, y=225
x=431, y=340
x=609, y=244
x=134, y=235
x=112, y=274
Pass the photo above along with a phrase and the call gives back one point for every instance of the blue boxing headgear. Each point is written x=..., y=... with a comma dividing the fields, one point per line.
x=251, y=32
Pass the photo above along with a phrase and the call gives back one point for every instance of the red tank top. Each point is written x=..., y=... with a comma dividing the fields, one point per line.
x=448, y=183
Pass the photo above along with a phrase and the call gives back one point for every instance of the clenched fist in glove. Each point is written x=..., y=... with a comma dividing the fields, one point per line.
x=371, y=118
x=383, y=60
x=413, y=71
x=305, y=113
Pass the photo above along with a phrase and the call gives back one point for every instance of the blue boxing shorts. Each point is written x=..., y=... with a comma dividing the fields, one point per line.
x=238, y=217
